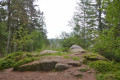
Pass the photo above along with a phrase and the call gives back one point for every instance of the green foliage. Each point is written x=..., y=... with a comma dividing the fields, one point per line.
x=39, y=41
x=108, y=42
x=107, y=45
x=102, y=66
x=16, y=59
x=21, y=40
x=3, y=37
x=109, y=76
x=23, y=61
x=6, y=63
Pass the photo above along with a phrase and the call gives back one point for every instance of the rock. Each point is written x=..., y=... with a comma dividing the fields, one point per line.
x=33, y=66
x=83, y=69
x=83, y=61
x=44, y=65
x=48, y=65
x=61, y=66
x=48, y=51
x=76, y=48
x=94, y=57
x=89, y=71
x=78, y=75
x=74, y=63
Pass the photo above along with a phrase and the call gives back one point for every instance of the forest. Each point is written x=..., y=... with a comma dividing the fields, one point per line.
x=95, y=27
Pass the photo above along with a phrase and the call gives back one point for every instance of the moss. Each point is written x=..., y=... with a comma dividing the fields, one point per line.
x=94, y=57
x=102, y=66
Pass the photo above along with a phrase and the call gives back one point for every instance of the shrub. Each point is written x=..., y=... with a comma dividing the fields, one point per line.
x=109, y=76
x=107, y=45
x=102, y=66
x=23, y=61
x=15, y=59
x=6, y=63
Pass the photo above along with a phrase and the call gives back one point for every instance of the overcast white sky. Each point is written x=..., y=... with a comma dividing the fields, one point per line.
x=57, y=14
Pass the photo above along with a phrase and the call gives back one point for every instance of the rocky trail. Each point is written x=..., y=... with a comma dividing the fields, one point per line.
x=53, y=68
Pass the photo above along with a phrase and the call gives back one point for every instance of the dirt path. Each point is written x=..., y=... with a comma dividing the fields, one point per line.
x=72, y=73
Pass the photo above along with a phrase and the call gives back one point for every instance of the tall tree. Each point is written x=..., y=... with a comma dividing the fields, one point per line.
x=84, y=22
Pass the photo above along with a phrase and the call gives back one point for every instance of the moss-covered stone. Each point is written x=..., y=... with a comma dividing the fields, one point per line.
x=94, y=57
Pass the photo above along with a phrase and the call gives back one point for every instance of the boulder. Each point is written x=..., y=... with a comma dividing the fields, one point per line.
x=48, y=51
x=61, y=66
x=33, y=66
x=48, y=65
x=78, y=75
x=76, y=48
x=94, y=57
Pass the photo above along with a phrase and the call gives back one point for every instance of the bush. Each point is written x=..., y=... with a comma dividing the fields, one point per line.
x=109, y=76
x=102, y=66
x=108, y=46
x=6, y=63
x=15, y=59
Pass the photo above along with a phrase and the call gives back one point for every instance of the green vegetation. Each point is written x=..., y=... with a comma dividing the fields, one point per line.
x=19, y=58
x=106, y=70
x=74, y=58
x=16, y=59
x=22, y=27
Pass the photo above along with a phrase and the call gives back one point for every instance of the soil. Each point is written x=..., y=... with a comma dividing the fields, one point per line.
x=69, y=74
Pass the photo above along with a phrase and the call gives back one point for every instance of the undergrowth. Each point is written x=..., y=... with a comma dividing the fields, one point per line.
x=106, y=70
x=16, y=59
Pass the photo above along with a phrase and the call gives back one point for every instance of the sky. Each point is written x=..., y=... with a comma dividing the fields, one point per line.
x=57, y=15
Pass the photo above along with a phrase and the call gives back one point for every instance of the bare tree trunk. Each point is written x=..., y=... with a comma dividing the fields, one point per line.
x=99, y=17
x=9, y=30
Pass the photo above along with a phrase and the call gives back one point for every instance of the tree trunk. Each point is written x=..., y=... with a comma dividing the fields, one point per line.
x=99, y=17
x=9, y=30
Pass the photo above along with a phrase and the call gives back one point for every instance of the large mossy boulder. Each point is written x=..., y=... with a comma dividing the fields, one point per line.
x=94, y=57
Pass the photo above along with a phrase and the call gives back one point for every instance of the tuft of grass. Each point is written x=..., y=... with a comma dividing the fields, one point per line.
x=74, y=58
x=55, y=54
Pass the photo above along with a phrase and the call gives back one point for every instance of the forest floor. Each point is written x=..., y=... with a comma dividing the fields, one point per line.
x=80, y=72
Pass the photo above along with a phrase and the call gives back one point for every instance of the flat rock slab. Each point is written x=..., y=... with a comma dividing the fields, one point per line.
x=44, y=65
x=48, y=51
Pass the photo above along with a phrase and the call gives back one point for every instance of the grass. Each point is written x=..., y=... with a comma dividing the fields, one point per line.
x=74, y=58
x=19, y=58
x=54, y=54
